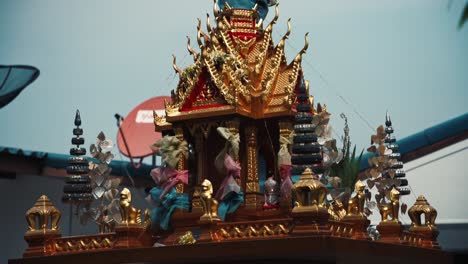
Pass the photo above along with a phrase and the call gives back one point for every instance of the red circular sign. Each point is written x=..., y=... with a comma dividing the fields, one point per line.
x=138, y=128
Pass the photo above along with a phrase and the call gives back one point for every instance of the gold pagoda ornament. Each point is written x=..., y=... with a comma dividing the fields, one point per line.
x=427, y=229
x=38, y=216
x=310, y=213
x=43, y=219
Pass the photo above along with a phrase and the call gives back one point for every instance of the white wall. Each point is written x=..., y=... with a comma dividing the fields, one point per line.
x=442, y=178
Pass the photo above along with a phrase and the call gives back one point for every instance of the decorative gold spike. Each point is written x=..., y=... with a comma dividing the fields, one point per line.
x=215, y=8
x=174, y=66
x=273, y=21
x=255, y=8
x=259, y=24
x=208, y=24
x=200, y=43
x=304, y=49
x=191, y=51
x=285, y=37
x=307, y=83
x=227, y=7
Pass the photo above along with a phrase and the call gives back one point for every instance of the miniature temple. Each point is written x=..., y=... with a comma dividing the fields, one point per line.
x=242, y=162
x=240, y=80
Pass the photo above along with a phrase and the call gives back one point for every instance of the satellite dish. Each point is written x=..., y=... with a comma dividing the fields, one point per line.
x=13, y=79
x=136, y=132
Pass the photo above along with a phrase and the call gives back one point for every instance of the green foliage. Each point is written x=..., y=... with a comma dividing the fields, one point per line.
x=348, y=168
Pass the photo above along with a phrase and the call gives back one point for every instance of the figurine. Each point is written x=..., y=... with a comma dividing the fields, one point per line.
x=209, y=204
x=356, y=203
x=103, y=225
x=270, y=189
x=336, y=210
x=130, y=215
x=391, y=209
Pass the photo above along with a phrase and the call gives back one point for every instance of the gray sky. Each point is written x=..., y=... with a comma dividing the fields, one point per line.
x=107, y=56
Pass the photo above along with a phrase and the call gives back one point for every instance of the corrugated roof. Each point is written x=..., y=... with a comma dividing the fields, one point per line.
x=60, y=161
x=23, y=153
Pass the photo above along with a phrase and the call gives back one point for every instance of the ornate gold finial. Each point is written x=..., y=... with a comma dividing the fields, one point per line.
x=227, y=7
x=130, y=215
x=158, y=120
x=391, y=209
x=174, y=65
x=186, y=239
x=255, y=8
x=208, y=24
x=286, y=35
x=209, y=204
x=421, y=206
x=273, y=21
x=199, y=34
x=170, y=108
x=215, y=9
x=309, y=192
x=427, y=230
x=38, y=216
x=192, y=51
x=356, y=204
x=304, y=49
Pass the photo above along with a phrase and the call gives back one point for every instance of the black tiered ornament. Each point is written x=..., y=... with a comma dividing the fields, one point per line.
x=77, y=187
x=306, y=151
x=390, y=143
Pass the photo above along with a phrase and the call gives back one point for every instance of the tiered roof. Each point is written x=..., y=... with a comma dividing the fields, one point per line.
x=238, y=70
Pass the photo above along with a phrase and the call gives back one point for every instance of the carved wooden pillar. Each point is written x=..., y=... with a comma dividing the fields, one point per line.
x=200, y=149
x=285, y=128
x=252, y=188
x=179, y=133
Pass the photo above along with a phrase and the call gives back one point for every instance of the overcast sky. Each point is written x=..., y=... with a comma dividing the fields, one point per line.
x=107, y=56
